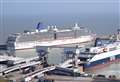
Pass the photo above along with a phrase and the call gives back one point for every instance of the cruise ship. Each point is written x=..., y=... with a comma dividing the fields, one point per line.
x=50, y=36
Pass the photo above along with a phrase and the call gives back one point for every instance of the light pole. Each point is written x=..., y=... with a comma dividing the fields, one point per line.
x=77, y=52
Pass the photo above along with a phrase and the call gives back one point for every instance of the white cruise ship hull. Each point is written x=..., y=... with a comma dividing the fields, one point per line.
x=33, y=44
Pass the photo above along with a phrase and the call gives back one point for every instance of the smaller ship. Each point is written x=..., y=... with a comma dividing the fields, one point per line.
x=105, y=52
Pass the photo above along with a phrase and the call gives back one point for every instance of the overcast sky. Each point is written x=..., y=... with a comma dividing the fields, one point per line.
x=25, y=7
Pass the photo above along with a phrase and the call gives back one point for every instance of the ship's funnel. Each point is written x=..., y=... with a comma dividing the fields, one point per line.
x=40, y=26
x=76, y=27
x=55, y=28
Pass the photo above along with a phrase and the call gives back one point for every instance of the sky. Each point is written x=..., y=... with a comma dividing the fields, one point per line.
x=33, y=7
x=18, y=15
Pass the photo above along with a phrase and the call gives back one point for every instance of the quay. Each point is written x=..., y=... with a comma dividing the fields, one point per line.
x=6, y=58
x=19, y=66
x=38, y=73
